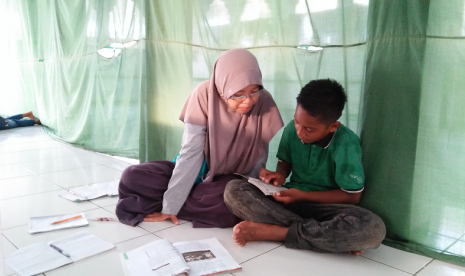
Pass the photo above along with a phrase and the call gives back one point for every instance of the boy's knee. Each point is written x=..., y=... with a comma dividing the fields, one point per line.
x=375, y=231
x=379, y=228
x=232, y=192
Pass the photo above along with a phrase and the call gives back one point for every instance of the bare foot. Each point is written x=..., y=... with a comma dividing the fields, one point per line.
x=252, y=231
x=356, y=253
x=29, y=115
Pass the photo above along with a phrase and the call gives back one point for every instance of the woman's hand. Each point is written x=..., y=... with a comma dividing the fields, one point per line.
x=161, y=217
x=270, y=177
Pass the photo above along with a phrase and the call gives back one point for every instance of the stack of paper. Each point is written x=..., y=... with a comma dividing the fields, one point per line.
x=41, y=257
x=92, y=191
x=44, y=224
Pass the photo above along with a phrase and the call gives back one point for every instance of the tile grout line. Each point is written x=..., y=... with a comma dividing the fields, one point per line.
x=37, y=160
x=452, y=244
x=66, y=188
x=34, y=193
x=262, y=254
x=9, y=241
x=387, y=265
x=57, y=170
x=424, y=267
x=132, y=238
x=7, y=152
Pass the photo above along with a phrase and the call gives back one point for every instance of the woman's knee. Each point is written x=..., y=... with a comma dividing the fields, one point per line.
x=129, y=175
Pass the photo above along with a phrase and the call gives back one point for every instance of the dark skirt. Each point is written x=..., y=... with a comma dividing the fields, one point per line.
x=141, y=192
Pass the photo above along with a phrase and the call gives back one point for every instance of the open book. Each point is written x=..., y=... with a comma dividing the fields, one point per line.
x=41, y=257
x=160, y=258
x=44, y=224
x=267, y=189
x=92, y=191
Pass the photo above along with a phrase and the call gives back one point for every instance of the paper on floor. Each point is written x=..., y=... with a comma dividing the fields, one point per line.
x=92, y=191
x=44, y=224
x=41, y=257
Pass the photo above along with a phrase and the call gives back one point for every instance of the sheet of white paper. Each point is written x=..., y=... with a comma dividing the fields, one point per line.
x=92, y=191
x=43, y=224
x=158, y=258
x=123, y=265
x=86, y=192
x=109, y=187
x=36, y=258
x=82, y=245
x=71, y=197
x=206, y=257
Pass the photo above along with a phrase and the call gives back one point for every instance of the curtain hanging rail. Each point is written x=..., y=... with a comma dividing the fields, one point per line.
x=259, y=47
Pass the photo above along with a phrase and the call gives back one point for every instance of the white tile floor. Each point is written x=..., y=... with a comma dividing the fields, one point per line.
x=34, y=169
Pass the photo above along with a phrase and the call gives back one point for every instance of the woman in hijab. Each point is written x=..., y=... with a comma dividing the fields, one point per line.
x=229, y=121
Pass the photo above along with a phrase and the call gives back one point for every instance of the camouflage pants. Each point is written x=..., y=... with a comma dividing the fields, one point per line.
x=312, y=226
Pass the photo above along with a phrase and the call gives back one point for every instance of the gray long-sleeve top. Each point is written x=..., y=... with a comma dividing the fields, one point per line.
x=188, y=165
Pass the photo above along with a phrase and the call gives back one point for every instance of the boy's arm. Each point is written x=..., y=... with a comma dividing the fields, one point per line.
x=327, y=197
x=283, y=169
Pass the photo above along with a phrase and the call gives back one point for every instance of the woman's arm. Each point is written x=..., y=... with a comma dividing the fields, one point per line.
x=187, y=168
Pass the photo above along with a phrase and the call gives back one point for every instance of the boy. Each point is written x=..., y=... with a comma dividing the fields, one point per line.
x=325, y=159
x=17, y=121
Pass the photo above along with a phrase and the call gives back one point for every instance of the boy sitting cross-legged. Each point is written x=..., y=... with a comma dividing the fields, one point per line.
x=317, y=212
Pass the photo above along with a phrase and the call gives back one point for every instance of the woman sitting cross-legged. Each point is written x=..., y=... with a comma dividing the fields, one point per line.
x=229, y=121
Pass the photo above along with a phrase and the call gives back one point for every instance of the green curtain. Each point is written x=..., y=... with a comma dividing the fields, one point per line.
x=401, y=63
x=52, y=67
x=184, y=39
x=413, y=131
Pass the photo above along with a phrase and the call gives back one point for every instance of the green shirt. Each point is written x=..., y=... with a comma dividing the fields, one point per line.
x=336, y=165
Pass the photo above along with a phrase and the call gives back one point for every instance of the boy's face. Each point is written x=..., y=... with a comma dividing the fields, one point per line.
x=310, y=129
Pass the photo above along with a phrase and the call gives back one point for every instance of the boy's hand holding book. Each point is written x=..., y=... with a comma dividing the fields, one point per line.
x=270, y=177
x=289, y=196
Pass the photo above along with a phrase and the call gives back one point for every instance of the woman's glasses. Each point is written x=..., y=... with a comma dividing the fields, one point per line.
x=253, y=96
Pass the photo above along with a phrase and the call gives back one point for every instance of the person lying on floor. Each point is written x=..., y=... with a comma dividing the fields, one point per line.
x=229, y=121
x=324, y=159
x=17, y=121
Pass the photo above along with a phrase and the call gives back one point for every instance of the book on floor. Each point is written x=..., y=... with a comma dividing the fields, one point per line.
x=56, y=222
x=193, y=258
x=267, y=189
x=92, y=191
x=41, y=257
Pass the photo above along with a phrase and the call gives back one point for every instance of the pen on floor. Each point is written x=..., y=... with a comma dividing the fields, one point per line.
x=68, y=219
x=153, y=269
x=59, y=250
x=76, y=194
x=103, y=218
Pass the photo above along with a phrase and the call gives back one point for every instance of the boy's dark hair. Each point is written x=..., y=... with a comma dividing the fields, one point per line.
x=324, y=99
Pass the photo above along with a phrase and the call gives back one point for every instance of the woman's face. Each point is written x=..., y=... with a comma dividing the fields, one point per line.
x=244, y=105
